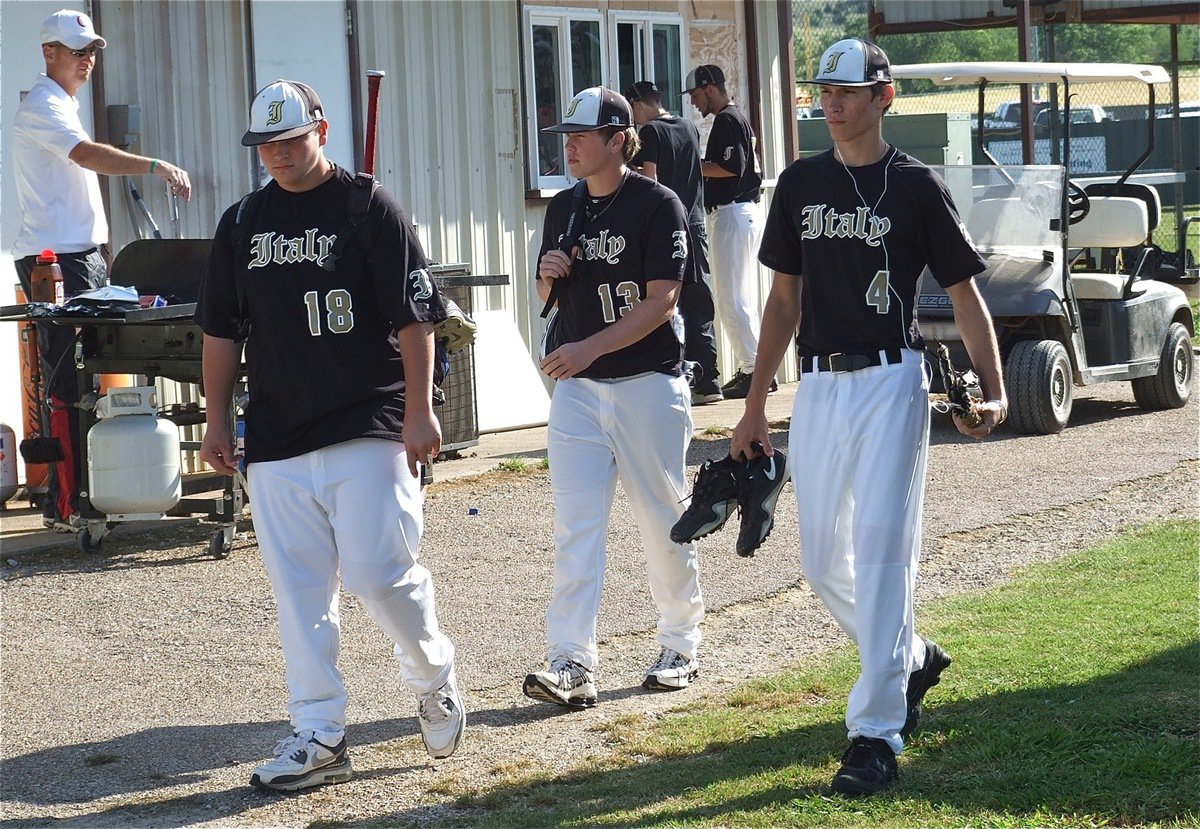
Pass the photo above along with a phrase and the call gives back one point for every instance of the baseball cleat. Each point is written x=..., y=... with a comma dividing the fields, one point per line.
x=739, y=386
x=300, y=762
x=565, y=683
x=714, y=496
x=672, y=672
x=868, y=767
x=759, y=482
x=921, y=680
x=442, y=719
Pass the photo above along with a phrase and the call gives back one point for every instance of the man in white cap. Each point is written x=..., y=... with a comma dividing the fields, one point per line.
x=321, y=275
x=55, y=164
x=849, y=233
x=614, y=254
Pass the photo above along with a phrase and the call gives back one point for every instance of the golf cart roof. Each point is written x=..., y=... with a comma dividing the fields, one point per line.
x=947, y=74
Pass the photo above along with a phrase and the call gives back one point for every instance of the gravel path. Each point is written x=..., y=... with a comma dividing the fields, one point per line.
x=141, y=687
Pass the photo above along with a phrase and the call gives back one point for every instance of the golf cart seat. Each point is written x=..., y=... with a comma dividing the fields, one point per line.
x=1112, y=222
x=1129, y=190
x=988, y=220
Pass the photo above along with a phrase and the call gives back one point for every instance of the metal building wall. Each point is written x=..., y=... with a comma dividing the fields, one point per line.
x=184, y=63
x=450, y=144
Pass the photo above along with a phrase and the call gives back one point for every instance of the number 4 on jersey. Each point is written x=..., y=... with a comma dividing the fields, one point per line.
x=879, y=293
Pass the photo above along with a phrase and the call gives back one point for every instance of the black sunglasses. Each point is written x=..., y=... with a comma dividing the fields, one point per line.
x=89, y=52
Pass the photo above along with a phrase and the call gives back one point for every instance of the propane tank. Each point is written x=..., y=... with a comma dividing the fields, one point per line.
x=133, y=457
x=8, y=463
x=46, y=279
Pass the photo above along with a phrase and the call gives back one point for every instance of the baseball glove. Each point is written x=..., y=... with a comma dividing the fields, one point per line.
x=963, y=394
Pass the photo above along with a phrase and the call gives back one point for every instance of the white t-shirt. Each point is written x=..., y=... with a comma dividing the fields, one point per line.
x=60, y=201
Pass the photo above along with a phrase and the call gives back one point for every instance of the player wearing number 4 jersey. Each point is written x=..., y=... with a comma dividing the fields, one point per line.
x=339, y=358
x=621, y=407
x=848, y=235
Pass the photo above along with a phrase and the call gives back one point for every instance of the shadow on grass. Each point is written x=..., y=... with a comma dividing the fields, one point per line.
x=1046, y=751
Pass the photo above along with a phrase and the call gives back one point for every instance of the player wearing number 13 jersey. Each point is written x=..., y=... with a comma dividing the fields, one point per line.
x=340, y=365
x=848, y=235
x=621, y=408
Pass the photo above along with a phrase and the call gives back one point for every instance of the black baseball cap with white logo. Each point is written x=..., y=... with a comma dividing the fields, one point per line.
x=283, y=110
x=640, y=90
x=853, y=62
x=703, y=75
x=595, y=108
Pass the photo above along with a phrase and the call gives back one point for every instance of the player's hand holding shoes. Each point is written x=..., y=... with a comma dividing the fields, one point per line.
x=754, y=485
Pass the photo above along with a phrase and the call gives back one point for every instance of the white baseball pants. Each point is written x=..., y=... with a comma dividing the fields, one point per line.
x=735, y=231
x=637, y=430
x=859, y=443
x=354, y=507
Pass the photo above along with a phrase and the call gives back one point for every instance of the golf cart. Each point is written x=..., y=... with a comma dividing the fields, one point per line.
x=1073, y=283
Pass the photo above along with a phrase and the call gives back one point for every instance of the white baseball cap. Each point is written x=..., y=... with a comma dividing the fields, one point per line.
x=594, y=109
x=283, y=110
x=72, y=29
x=853, y=62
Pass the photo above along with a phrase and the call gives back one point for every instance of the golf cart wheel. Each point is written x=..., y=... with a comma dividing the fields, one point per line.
x=1171, y=387
x=1040, y=387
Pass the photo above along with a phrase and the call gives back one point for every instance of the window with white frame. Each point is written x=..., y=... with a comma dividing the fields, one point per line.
x=567, y=50
x=564, y=54
x=648, y=46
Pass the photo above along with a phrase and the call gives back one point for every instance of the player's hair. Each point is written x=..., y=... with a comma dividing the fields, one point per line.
x=632, y=142
x=654, y=99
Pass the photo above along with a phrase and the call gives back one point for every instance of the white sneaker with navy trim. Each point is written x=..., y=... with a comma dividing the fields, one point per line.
x=442, y=719
x=301, y=761
x=672, y=672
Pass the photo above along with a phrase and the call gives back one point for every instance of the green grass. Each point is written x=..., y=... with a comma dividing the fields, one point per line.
x=523, y=465
x=1072, y=702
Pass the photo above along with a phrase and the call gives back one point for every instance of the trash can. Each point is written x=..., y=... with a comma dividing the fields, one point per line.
x=459, y=415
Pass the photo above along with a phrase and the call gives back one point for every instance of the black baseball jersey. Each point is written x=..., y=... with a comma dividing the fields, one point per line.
x=322, y=360
x=673, y=145
x=861, y=252
x=629, y=239
x=730, y=147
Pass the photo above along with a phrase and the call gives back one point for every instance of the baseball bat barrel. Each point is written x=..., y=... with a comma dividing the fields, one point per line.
x=374, y=78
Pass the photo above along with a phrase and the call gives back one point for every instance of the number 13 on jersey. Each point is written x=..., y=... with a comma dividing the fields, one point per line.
x=338, y=311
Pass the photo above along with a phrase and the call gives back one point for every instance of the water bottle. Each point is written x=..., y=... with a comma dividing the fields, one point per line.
x=46, y=281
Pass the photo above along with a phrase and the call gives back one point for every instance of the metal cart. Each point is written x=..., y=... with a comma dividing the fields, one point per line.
x=155, y=342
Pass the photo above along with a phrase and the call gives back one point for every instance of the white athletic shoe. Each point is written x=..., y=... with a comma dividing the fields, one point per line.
x=672, y=672
x=442, y=719
x=300, y=761
x=565, y=683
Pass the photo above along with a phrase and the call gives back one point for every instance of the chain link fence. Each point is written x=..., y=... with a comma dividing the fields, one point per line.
x=1109, y=122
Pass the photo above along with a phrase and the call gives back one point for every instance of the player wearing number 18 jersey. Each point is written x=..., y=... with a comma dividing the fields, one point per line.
x=621, y=408
x=340, y=368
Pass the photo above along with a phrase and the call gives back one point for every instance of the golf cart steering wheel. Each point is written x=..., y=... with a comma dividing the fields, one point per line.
x=1078, y=203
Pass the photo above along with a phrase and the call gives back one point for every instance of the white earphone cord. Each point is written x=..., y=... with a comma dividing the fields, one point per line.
x=887, y=262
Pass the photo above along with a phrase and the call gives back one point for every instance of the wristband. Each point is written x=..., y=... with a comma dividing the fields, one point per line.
x=1003, y=409
x=153, y=164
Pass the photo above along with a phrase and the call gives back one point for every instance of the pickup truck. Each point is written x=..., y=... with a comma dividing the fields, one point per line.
x=1008, y=115
x=1080, y=114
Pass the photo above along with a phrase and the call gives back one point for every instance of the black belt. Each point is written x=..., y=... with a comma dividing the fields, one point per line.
x=713, y=207
x=841, y=363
